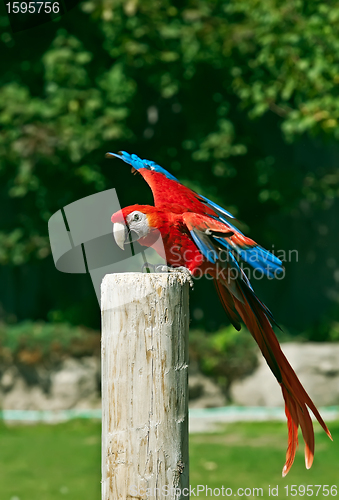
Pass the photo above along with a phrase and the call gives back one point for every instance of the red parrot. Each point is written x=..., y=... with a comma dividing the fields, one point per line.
x=199, y=238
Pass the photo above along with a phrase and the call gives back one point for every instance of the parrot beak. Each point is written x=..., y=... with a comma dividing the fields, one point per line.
x=119, y=233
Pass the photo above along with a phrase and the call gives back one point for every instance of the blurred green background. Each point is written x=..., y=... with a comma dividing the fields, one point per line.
x=238, y=99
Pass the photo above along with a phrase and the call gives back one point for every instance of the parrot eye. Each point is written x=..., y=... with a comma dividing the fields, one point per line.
x=136, y=217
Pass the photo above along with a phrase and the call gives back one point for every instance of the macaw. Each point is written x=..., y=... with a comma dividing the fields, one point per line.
x=197, y=235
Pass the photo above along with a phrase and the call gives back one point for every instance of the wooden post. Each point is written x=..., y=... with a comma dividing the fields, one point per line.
x=144, y=386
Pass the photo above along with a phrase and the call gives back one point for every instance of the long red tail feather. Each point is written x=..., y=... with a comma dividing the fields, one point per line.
x=297, y=401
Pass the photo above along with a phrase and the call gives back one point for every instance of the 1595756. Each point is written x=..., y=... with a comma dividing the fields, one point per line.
x=33, y=7
x=323, y=490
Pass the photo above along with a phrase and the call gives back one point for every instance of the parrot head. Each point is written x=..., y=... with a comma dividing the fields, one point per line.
x=134, y=223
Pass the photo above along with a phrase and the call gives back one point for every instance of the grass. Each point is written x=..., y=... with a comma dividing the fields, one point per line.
x=50, y=462
x=251, y=455
x=53, y=462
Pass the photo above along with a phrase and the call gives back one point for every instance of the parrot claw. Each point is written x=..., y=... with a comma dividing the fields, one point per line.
x=181, y=269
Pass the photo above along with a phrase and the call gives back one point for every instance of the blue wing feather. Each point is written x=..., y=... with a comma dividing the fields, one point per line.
x=138, y=163
x=205, y=247
x=221, y=211
x=257, y=257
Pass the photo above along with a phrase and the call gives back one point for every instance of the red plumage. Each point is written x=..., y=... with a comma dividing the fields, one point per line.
x=194, y=234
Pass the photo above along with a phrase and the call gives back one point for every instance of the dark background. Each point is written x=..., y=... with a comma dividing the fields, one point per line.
x=238, y=99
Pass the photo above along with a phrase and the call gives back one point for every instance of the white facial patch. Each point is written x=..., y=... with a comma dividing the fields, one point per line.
x=137, y=222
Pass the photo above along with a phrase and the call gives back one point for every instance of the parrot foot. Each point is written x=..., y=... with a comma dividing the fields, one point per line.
x=181, y=269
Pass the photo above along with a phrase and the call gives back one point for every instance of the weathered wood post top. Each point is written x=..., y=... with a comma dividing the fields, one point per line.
x=144, y=386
